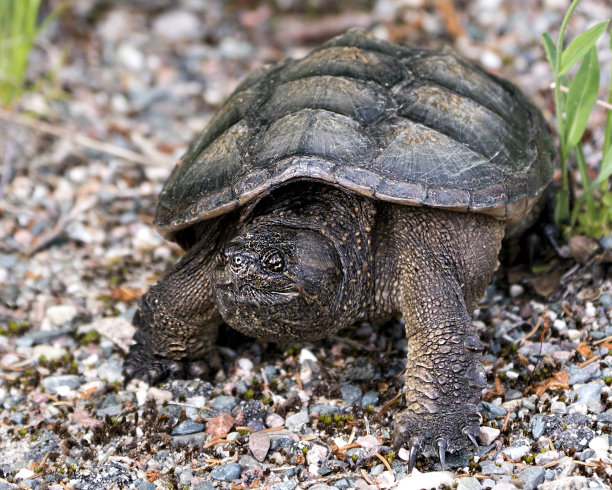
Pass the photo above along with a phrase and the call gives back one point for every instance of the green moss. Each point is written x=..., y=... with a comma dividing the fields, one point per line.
x=91, y=336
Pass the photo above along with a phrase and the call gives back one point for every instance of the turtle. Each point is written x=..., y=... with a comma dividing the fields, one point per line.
x=363, y=181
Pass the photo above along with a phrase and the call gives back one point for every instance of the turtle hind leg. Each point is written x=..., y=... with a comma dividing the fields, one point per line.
x=444, y=265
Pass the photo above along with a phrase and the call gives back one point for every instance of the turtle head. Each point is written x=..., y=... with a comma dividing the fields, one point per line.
x=279, y=283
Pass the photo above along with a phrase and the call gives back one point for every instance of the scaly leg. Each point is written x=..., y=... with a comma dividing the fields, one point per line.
x=446, y=263
x=177, y=322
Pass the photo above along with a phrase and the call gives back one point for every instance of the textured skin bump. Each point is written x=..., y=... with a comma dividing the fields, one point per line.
x=401, y=124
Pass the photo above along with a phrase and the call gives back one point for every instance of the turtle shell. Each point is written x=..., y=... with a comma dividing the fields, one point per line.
x=405, y=125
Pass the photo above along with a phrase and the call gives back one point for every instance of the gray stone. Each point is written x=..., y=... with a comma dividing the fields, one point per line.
x=224, y=403
x=110, y=370
x=332, y=465
x=469, y=483
x=370, y=398
x=558, y=408
x=606, y=298
x=567, y=483
x=248, y=462
x=565, y=467
x=342, y=484
x=286, y=485
x=187, y=427
x=586, y=393
x=363, y=371
x=109, y=406
x=488, y=434
x=146, y=485
x=519, y=449
x=547, y=457
x=226, y=472
x=324, y=408
x=584, y=375
x=185, y=477
x=490, y=468
x=532, y=477
x=492, y=411
x=605, y=417
x=297, y=421
x=538, y=424
x=199, y=438
x=351, y=394
x=280, y=440
x=204, y=486
x=571, y=432
x=606, y=244
x=271, y=372
x=53, y=383
x=41, y=337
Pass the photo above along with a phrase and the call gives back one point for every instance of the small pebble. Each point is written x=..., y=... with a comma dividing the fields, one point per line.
x=245, y=364
x=54, y=384
x=351, y=394
x=468, y=483
x=187, y=427
x=488, y=434
x=370, y=398
x=531, y=477
x=259, y=444
x=224, y=403
x=60, y=314
x=516, y=452
x=226, y=472
x=546, y=457
x=516, y=290
x=600, y=443
x=558, y=408
x=307, y=355
x=297, y=421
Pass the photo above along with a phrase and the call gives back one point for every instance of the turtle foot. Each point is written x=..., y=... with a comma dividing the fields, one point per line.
x=140, y=363
x=435, y=434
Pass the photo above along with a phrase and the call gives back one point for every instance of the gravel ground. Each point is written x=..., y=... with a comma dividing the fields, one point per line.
x=77, y=249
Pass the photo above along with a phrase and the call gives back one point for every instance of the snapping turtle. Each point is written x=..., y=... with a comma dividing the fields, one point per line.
x=364, y=180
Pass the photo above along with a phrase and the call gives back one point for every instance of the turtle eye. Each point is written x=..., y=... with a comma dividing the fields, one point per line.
x=274, y=261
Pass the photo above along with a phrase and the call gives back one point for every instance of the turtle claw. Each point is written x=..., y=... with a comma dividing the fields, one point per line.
x=415, y=445
x=442, y=452
x=471, y=437
x=142, y=364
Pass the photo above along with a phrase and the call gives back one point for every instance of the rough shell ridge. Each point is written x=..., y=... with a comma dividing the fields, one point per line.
x=400, y=124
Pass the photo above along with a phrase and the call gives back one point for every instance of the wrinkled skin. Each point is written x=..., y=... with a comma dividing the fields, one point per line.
x=311, y=259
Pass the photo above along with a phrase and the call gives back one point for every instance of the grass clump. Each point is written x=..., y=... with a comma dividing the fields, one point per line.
x=575, y=98
x=19, y=28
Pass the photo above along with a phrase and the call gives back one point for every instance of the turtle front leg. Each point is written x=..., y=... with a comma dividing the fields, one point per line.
x=443, y=270
x=177, y=322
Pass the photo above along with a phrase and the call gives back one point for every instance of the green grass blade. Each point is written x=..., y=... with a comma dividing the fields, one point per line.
x=581, y=45
x=605, y=172
x=581, y=97
x=608, y=131
x=551, y=51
